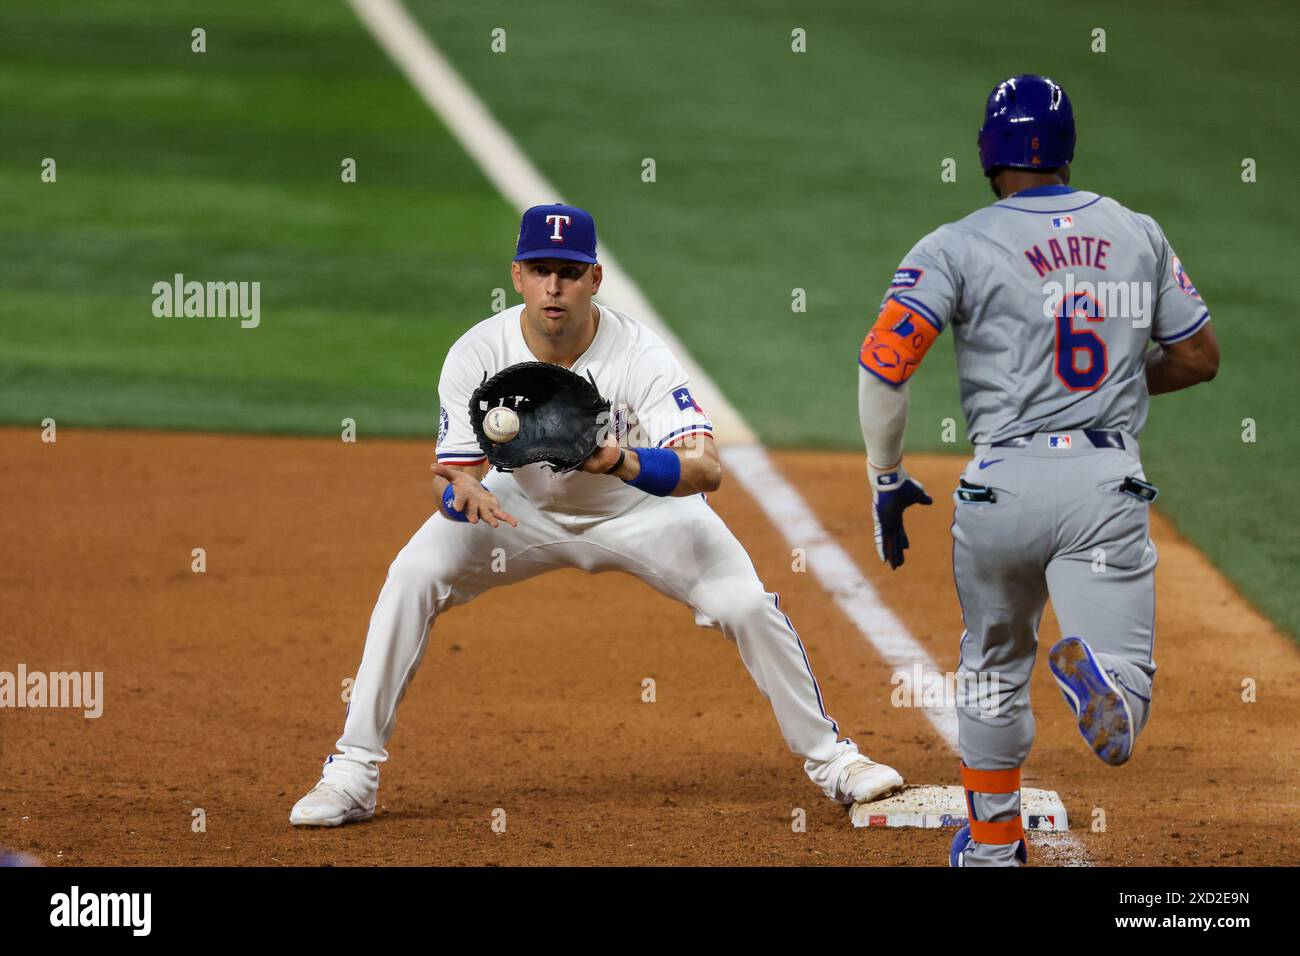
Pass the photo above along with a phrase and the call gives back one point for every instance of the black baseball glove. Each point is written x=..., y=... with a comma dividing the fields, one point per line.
x=561, y=416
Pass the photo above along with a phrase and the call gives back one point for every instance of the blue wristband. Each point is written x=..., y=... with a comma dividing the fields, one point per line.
x=661, y=471
x=448, y=496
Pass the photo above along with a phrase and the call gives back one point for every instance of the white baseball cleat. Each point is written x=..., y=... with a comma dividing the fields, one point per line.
x=328, y=806
x=865, y=780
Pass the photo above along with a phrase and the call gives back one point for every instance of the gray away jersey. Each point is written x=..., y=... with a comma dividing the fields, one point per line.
x=1053, y=296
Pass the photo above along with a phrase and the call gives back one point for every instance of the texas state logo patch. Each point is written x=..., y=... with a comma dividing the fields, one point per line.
x=686, y=401
x=906, y=278
x=442, y=424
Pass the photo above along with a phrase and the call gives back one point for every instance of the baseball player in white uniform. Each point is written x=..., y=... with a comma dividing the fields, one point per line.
x=1067, y=312
x=636, y=506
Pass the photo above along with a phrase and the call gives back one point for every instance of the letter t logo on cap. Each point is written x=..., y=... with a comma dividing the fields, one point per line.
x=558, y=222
x=556, y=231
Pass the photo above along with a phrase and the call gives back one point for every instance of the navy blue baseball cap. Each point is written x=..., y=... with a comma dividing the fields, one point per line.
x=557, y=231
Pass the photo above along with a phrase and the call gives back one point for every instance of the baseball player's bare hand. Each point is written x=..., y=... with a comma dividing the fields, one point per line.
x=892, y=493
x=471, y=498
x=603, y=459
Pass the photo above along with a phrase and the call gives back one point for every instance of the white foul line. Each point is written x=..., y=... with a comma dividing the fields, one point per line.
x=836, y=571
x=522, y=184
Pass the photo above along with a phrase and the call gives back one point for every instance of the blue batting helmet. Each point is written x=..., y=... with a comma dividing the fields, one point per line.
x=1028, y=124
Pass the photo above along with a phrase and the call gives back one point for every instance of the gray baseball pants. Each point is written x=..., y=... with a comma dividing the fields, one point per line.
x=1059, y=527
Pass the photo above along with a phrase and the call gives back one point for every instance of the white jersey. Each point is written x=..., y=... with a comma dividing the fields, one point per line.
x=632, y=368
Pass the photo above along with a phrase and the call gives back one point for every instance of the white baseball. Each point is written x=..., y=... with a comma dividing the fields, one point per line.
x=501, y=424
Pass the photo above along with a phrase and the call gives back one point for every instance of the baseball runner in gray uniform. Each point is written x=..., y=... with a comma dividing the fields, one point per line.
x=1067, y=310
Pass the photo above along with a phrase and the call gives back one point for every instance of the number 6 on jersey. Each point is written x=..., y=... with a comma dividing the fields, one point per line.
x=1071, y=341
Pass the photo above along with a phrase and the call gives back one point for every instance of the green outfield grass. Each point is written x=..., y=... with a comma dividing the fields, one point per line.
x=226, y=165
x=775, y=171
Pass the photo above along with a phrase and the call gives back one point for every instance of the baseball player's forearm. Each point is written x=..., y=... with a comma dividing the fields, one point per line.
x=882, y=413
x=1183, y=364
x=701, y=469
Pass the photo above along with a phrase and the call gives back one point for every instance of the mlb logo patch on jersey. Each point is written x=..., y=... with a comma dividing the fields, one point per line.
x=1062, y=222
x=1058, y=441
x=906, y=278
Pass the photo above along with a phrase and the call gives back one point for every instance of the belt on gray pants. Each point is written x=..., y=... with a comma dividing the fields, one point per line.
x=1100, y=438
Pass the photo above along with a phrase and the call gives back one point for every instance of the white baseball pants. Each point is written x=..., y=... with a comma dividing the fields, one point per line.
x=679, y=546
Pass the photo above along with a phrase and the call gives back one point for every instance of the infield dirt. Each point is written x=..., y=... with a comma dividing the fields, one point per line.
x=224, y=689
